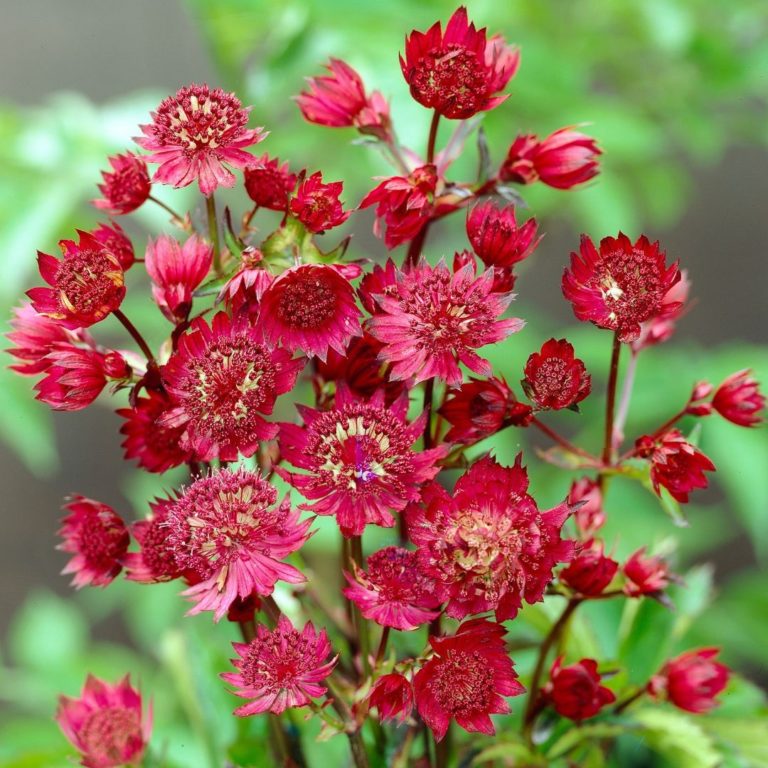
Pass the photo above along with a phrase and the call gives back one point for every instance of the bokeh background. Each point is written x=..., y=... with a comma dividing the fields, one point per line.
x=676, y=91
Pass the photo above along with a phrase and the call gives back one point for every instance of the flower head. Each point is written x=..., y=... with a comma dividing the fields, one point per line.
x=437, y=318
x=226, y=529
x=575, y=690
x=221, y=379
x=590, y=571
x=739, y=399
x=645, y=575
x=317, y=206
x=194, y=133
x=97, y=538
x=126, y=187
x=113, y=238
x=496, y=237
x=392, y=695
x=457, y=73
x=466, y=679
x=488, y=547
x=691, y=681
x=155, y=561
x=268, y=183
x=586, y=498
x=555, y=378
x=244, y=289
x=281, y=668
x=106, y=724
x=620, y=286
x=358, y=459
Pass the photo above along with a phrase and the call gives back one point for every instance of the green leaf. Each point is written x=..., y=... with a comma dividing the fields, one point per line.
x=678, y=738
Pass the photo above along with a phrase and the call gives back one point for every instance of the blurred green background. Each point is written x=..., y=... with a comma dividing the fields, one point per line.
x=676, y=91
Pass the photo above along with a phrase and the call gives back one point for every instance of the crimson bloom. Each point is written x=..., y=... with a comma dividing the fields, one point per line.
x=575, y=690
x=739, y=399
x=460, y=72
x=268, y=183
x=97, y=538
x=225, y=529
x=555, y=378
x=495, y=236
x=488, y=547
x=392, y=695
x=86, y=285
x=155, y=561
x=176, y=270
x=126, y=187
x=194, y=133
x=113, y=238
x=437, y=318
x=645, y=575
x=106, y=724
x=691, y=681
x=310, y=307
x=393, y=593
x=586, y=498
x=221, y=379
x=358, y=459
x=280, y=668
x=244, y=289
x=590, y=571
x=317, y=205
x=620, y=286
x=466, y=679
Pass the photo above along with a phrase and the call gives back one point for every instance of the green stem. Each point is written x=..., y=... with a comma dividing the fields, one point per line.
x=177, y=219
x=213, y=233
x=356, y=554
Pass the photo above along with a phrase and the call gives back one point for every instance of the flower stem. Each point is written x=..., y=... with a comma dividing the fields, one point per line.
x=622, y=705
x=432, y=136
x=356, y=745
x=610, y=403
x=560, y=440
x=429, y=388
x=382, y=649
x=417, y=244
x=137, y=337
x=178, y=219
x=626, y=397
x=213, y=233
x=356, y=555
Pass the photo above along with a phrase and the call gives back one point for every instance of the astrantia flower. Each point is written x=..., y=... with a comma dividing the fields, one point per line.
x=310, y=307
x=86, y=285
x=226, y=529
x=590, y=571
x=358, y=458
x=97, y=538
x=496, y=237
x=155, y=446
x=392, y=695
x=645, y=575
x=488, y=546
x=437, y=318
x=176, y=270
x=466, y=679
x=317, y=206
x=404, y=204
x=739, y=399
x=555, y=378
x=575, y=691
x=221, y=379
x=106, y=724
x=194, y=133
x=268, y=183
x=114, y=239
x=380, y=281
x=586, y=498
x=460, y=72
x=243, y=291
x=393, y=592
x=281, y=668
x=125, y=188
x=620, y=286
x=155, y=561
x=691, y=681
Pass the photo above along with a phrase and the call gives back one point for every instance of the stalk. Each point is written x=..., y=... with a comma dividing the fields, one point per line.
x=137, y=337
x=213, y=233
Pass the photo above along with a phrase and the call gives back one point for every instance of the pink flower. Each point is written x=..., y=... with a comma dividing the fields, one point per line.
x=645, y=575
x=358, y=457
x=97, y=538
x=155, y=561
x=194, y=133
x=176, y=270
x=392, y=695
x=496, y=238
x=380, y=281
x=268, y=183
x=575, y=691
x=113, y=238
x=466, y=679
x=555, y=378
x=243, y=291
x=586, y=498
x=488, y=547
x=224, y=529
x=691, y=681
x=127, y=187
x=280, y=669
x=394, y=592
x=221, y=379
x=106, y=724
x=317, y=205
x=590, y=571
x=739, y=399
x=436, y=319
x=657, y=330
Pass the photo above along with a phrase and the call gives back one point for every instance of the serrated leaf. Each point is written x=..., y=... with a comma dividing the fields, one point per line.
x=678, y=738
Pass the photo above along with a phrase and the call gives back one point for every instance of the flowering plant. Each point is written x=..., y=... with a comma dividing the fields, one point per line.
x=406, y=656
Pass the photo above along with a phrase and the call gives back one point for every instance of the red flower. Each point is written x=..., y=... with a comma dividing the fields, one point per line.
x=586, y=498
x=359, y=460
x=622, y=285
x=244, y=609
x=488, y=546
x=221, y=379
x=380, y=281
x=675, y=464
x=392, y=695
x=457, y=73
x=575, y=691
x=224, y=529
x=86, y=285
x=317, y=205
x=176, y=271
x=645, y=575
x=394, y=592
x=339, y=100
x=555, y=378
x=155, y=561
x=496, y=237
x=466, y=679
x=127, y=187
x=739, y=399
x=281, y=668
x=106, y=724
x=97, y=538
x=404, y=204
x=691, y=681
x=193, y=133
x=243, y=291
x=310, y=307
x=113, y=238
x=437, y=318
x=660, y=329
x=562, y=160
x=268, y=183
x=590, y=572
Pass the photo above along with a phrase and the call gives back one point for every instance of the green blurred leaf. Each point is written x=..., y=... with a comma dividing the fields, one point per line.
x=678, y=737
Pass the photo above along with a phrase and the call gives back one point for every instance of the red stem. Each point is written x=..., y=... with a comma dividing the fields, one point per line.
x=610, y=403
x=560, y=440
x=137, y=337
